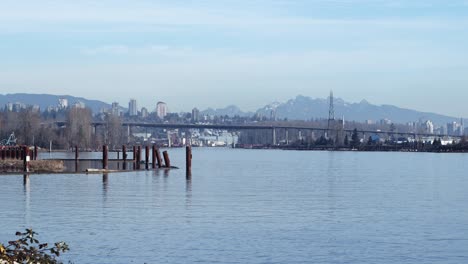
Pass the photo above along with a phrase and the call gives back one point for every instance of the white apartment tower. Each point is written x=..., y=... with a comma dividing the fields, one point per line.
x=161, y=109
x=132, y=108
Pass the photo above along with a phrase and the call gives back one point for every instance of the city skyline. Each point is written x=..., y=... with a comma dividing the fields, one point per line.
x=219, y=53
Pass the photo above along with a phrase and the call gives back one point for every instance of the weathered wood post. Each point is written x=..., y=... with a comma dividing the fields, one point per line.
x=77, y=154
x=3, y=154
x=153, y=157
x=158, y=157
x=18, y=153
x=22, y=153
x=26, y=159
x=124, y=156
x=138, y=165
x=105, y=157
x=134, y=158
x=147, y=152
x=35, y=152
x=188, y=160
x=167, y=161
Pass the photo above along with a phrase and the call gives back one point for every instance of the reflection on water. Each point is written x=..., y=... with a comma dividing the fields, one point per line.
x=188, y=192
x=27, y=197
x=105, y=183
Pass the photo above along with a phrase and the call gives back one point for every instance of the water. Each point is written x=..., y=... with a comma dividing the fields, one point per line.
x=254, y=206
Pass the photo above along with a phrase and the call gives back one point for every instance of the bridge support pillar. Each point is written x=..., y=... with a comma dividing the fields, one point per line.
x=128, y=134
x=274, y=136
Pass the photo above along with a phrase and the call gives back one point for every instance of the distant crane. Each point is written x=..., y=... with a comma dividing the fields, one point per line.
x=11, y=141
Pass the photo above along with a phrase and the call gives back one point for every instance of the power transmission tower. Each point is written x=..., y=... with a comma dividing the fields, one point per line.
x=331, y=113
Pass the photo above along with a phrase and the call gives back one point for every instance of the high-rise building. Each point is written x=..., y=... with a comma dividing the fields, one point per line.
x=132, y=108
x=452, y=128
x=429, y=127
x=36, y=108
x=144, y=112
x=462, y=127
x=195, y=115
x=115, y=109
x=63, y=103
x=17, y=107
x=161, y=109
x=9, y=107
x=80, y=105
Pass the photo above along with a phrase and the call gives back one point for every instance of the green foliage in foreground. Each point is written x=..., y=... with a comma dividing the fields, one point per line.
x=27, y=249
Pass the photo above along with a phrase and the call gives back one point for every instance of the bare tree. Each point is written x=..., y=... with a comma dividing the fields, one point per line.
x=114, y=134
x=78, y=129
x=28, y=126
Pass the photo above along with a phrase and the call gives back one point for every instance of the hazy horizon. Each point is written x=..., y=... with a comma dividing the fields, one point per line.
x=245, y=53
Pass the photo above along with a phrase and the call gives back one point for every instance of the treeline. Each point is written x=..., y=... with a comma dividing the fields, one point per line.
x=339, y=140
x=32, y=128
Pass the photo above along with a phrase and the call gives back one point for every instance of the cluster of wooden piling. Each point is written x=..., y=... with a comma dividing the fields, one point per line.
x=17, y=153
x=152, y=156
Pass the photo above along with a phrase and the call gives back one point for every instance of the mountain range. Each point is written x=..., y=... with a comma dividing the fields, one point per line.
x=298, y=108
x=304, y=108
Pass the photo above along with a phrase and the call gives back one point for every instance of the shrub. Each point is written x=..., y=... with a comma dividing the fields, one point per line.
x=27, y=249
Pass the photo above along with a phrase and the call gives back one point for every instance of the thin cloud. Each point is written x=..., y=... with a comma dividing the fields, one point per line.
x=96, y=16
x=126, y=50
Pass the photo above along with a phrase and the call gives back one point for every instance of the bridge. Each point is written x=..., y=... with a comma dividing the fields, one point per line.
x=259, y=126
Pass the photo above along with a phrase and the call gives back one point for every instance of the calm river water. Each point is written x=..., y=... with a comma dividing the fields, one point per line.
x=254, y=206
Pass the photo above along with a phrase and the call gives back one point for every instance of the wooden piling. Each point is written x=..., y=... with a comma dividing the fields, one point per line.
x=124, y=156
x=158, y=158
x=26, y=158
x=138, y=160
x=134, y=153
x=153, y=156
x=22, y=153
x=167, y=161
x=105, y=157
x=76, y=154
x=3, y=154
x=35, y=152
x=147, y=152
x=188, y=160
x=17, y=153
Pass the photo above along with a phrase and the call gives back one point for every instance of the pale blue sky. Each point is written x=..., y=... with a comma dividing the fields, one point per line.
x=409, y=53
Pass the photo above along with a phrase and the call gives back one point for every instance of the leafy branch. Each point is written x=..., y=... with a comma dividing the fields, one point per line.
x=27, y=249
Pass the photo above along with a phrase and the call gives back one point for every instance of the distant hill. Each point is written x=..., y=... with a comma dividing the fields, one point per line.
x=306, y=108
x=46, y=100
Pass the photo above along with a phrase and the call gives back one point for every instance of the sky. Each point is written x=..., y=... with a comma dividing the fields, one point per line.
x=214, y=53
